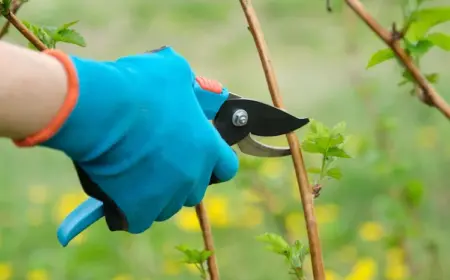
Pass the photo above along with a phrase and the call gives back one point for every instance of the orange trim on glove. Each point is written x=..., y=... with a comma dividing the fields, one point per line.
x=67, y=107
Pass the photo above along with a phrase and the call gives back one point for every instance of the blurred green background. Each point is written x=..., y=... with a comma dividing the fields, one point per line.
x=370, y=228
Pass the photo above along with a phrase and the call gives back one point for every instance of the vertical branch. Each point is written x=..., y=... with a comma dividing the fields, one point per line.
x=300, y=170
x=202, y=216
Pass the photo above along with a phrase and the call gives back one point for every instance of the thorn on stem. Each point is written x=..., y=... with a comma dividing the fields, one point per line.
x=316, y=190
x=397, y=35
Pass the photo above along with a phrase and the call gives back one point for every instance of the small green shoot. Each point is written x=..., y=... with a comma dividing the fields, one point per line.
x=50, y=35
x=5, y=5
x=294, y=254
x=418, y=41
x=328, y=142
x=197, y=258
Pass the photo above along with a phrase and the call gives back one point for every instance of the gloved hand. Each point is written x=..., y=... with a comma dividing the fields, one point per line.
x=135, y=127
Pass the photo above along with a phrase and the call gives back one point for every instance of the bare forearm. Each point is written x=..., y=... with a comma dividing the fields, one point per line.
x=32, y=89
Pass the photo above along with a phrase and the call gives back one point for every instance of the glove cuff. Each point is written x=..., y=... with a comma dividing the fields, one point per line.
x=66, y=109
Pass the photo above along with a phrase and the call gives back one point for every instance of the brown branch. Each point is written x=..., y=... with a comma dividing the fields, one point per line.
x=202, y=216
x=300, y=171
x=15, y=8
x=24, y=30
x=430, y=95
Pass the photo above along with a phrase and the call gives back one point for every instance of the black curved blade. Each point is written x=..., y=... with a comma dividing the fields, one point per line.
x=263, y=119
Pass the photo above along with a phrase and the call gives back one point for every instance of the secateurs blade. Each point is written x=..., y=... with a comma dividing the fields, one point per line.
x=236, y=119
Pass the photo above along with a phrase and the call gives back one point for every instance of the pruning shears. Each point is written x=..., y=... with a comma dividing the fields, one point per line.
x=236, y=119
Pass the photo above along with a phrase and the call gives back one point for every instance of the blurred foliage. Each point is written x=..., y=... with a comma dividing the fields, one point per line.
x=384, y=219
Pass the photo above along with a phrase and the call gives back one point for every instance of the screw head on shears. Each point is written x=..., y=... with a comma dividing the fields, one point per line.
x=240, y=117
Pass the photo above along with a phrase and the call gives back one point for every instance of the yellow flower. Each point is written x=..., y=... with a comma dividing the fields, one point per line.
x=271, y=168
x=187, y=220
x=68, y=203
x=218, y=209
x=331, y=275
x=364, y=269
x=371, y=231
x=252, y=217
x=171, y=267
x=295, y=224
x=5, y=271
x=327, y=213
x=37, y=194
x=35, y=216
x=122, y=277
x=396, y=268
x=37, y=274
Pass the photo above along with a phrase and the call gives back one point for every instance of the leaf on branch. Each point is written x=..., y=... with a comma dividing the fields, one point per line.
x=193, y=256
x=5, y=6
x=334, y=173
x=420, y=48
x=298, y=253
x=337, y=152
x=312, y=147
x=67, y=35
x=440, y=40
x=41, y=33
x=425, y=19
x=432, y=78
x=276, y=243
x=379, y=57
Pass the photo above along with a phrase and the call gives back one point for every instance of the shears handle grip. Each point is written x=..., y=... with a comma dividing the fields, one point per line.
x=210, y=94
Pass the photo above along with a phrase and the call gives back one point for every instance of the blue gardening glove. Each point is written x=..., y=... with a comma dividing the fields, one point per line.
x=138, y=131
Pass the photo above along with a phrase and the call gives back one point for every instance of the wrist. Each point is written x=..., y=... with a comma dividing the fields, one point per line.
x=94, y=98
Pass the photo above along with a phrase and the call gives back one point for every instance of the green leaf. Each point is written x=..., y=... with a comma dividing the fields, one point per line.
x=41, y=34
x=204, y=255
x=70, y=36
x=67, y=25
x=425, y=19
x=192, y=256
x=312, y=147
x=339, y=128
x=298, y=254
x=317, y=128
x=314, y=170
x=407, y=75
x=276, y=243
x=337, y=152
x=5, y=5
x=432, y=78
x=335, y=173
x=379, y=57
x=440, y=40
x=420, y=48
x=336, y=140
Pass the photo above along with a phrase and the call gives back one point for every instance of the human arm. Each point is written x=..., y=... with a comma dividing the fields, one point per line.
x=133, y=125
x=32, y=89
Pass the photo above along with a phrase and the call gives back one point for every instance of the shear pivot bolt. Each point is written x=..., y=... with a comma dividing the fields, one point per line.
x=240, y=118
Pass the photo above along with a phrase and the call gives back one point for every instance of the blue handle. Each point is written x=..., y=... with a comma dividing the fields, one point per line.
x=211, y=96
